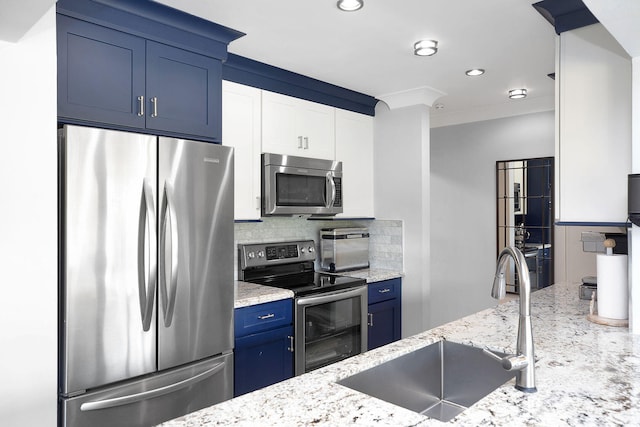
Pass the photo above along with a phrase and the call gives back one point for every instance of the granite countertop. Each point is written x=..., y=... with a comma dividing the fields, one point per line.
x=586, y=374
x=251, y=294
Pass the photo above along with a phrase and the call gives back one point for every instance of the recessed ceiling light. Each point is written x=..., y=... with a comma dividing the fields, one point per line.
x=350, y=5
x=425, y=47
x=474, y=72
x=517, y=93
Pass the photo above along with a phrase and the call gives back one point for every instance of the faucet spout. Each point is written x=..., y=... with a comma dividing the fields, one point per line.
x=525, y=376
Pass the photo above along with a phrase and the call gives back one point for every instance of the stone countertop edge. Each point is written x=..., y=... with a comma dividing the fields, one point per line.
x=251, y=294
x=372, y=274
x=248, y=294
x=586, y=374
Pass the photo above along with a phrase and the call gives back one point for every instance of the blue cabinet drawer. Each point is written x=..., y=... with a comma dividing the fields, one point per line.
x=262, y=317
x=383, y=291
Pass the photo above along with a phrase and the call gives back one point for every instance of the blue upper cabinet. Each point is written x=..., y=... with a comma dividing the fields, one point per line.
x=139, y=65
x=101, y=74
x=184, y=92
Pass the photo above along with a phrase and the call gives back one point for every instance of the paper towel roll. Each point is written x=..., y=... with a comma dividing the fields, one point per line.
x=613, y=289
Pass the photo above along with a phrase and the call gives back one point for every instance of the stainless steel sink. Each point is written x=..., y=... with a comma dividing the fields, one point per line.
x=439, y=381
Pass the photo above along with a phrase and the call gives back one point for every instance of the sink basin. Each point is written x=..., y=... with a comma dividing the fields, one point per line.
x=439, y=381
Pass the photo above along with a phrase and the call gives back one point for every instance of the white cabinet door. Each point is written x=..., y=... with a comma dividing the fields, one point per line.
x=241, y=127
x=297, y=127
x=354, y=147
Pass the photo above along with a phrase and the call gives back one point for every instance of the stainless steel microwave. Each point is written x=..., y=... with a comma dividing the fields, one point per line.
x=300, y=186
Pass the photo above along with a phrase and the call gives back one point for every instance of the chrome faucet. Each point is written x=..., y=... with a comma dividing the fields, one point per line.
x=523, y=361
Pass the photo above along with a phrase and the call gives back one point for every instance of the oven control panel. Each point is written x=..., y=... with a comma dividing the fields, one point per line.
x=262, y=254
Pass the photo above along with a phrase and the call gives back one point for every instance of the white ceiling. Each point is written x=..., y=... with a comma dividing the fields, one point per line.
x=620, y=18
x=18, y=16
x=370, y=50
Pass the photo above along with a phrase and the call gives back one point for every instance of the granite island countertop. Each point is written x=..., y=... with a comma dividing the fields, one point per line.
x=586, y=374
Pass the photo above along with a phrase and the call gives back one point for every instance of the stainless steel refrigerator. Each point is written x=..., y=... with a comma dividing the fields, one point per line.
x=146, y=277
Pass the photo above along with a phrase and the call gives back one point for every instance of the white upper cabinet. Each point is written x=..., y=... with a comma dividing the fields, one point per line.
x=354, y=147
x=241, y=127
x=297, y=127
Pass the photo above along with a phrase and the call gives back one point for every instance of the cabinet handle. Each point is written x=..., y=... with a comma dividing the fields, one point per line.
x=306, y=142
x=141, y=105
x=258, y=203
x=290, y=348
x=267, y=316
x=370, y=322
x=154, y=106
x=384, y=291
x=299, y=142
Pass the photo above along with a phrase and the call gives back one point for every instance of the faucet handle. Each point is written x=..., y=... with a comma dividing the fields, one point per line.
x=510, y=362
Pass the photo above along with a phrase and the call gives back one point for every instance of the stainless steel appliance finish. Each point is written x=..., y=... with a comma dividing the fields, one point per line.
x=343, y=249
x=154, y=399
x=329, y=327
x=523, y=362
x=330, y=310
x=440, y=380
x=300, y=186
x=146, y=241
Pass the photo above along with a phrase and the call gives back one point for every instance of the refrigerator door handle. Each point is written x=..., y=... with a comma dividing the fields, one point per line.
x=146, y=395
x=168, y=296
x=146, y=240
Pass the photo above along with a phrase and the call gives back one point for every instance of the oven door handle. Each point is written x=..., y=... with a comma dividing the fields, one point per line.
x=331, y=297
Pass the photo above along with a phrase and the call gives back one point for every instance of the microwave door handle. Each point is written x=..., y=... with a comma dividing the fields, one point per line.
x=331, y=189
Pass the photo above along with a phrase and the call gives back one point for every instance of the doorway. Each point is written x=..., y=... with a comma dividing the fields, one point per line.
x=525, y=216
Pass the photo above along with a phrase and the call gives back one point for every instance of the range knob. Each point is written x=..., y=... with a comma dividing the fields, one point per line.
x=311, y=249
x=260, y=254
x=251, y=255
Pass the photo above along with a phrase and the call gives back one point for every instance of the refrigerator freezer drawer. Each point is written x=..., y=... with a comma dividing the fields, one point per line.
x=154, y=399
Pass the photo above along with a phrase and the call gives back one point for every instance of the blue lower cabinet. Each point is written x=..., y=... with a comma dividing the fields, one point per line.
x=263, y=353
x=384, y=312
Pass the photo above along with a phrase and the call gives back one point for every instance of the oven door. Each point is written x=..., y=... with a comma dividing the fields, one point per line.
x=330, y=327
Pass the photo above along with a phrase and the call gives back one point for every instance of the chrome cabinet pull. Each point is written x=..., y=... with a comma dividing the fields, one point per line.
x=306, y=142
x=141, y=105
x=267, y=316
x=154, y=106
x=290, y=348
x=384, y=291
x=370, y=322
x=299, y=142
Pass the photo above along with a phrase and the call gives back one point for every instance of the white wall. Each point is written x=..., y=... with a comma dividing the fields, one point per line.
x=463, y=205
x=28, y=228
x=594, y=143
x=401, y=189
x=634, y=270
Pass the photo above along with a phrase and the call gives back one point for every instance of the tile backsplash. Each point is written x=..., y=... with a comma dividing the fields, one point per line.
x=385, y=236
